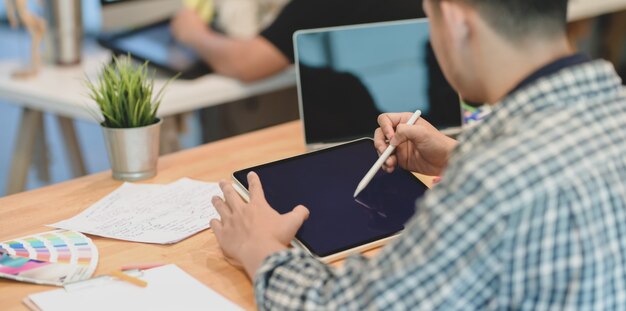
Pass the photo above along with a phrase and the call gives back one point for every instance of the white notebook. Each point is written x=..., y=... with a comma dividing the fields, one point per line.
x=169, y=288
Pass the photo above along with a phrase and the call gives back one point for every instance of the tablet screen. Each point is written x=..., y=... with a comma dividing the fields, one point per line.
x=324, y=182
x=157, y=45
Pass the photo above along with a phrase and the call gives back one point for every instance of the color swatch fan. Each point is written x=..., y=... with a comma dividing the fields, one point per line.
x=54, y=258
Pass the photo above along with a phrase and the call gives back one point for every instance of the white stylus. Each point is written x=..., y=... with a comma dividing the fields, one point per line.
x=383, y=157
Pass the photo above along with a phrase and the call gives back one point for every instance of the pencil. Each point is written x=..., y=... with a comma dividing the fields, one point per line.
x=130, y=279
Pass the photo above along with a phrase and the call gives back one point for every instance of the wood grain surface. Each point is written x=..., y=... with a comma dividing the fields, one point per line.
x=200, y=256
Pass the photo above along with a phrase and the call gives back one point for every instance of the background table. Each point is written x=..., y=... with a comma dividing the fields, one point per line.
x=60, y=91
x=580, y=9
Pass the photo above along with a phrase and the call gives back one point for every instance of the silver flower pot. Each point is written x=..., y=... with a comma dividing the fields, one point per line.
x=133, y=152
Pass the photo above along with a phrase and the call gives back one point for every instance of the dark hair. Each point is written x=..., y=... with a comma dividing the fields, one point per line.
x=517, y=19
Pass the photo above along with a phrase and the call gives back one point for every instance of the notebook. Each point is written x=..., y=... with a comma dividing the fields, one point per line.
x=169, y=288
x=348, y=75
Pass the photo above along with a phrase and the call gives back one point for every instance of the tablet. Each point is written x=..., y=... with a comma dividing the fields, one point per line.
x=155, y=43
x=324, y=181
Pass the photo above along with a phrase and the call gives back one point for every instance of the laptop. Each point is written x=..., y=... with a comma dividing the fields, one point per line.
x=348, y=75
x=156, y=44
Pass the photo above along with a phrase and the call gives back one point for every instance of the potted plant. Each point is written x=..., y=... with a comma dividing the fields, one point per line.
x=127, y=113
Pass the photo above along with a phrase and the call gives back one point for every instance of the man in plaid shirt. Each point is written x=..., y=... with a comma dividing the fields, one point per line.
x=531, y=210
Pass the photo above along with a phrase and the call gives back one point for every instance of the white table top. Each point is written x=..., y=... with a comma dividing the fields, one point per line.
x=581, y=9
x=61, y=90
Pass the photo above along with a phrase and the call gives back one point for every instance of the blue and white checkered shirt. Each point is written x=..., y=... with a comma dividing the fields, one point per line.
x=530, y=215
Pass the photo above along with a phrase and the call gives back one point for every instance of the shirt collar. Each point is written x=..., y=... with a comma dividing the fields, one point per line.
x=552, y=92
x=552, y=68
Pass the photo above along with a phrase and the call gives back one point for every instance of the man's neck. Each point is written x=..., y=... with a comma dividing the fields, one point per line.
x=504, y=71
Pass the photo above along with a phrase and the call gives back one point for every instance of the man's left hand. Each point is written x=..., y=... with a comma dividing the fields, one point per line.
x=249, y=232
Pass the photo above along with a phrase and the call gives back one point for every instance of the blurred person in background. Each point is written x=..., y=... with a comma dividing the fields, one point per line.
x=250, y=58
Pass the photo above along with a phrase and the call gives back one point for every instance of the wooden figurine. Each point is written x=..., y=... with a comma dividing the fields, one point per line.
x=36, y=27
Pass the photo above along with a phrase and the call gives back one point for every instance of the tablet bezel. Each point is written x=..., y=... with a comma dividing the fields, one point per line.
x=243, y=192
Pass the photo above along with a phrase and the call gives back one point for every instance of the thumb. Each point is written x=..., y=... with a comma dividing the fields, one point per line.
x=404, y=133
x=297, y=216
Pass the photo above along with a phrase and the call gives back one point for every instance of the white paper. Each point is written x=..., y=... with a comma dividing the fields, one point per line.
x=161, y=214
x=169, y=288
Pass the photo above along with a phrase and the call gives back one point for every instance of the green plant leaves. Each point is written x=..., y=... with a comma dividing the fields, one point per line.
x=123, y=93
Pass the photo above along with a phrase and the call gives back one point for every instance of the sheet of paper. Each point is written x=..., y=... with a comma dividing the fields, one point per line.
x=169, y=288
x=161, y=214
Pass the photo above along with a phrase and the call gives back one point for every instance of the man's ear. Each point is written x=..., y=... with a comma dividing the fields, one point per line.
x=455, y=16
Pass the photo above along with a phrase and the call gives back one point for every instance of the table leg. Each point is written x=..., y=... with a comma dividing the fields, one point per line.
x=577, y=30
x=169, y=135
x=615, y=37
x=72, y=146
x=30, y=125
x=41, y=152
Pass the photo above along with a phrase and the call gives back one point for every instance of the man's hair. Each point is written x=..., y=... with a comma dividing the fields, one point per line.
x=517, y=19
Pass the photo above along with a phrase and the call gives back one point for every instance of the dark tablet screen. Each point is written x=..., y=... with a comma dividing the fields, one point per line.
x=324, y=182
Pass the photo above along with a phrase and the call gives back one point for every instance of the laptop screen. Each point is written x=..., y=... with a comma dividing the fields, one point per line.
x=347, y=76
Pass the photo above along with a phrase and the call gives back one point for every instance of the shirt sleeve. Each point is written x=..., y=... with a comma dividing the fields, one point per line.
x=310, y=14
x=299, y=14
x=447, y=258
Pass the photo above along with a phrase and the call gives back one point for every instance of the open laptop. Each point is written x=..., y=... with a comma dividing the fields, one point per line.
x=349, y=75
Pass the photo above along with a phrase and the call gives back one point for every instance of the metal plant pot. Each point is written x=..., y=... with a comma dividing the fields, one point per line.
x=133, y=152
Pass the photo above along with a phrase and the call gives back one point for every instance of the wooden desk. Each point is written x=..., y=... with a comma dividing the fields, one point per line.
x=28, y=212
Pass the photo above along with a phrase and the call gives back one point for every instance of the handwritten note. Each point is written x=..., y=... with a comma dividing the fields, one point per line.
x=161, y=214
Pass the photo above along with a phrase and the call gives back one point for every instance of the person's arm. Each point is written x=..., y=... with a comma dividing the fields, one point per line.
x=447, y=255
x=11, y=13
x=420, y=147
x=244, y=59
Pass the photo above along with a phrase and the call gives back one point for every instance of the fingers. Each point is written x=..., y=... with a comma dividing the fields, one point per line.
x=406, y=133
x=216, y=225
x=296, y=217
x=256, y=189
x=231, y=196
x=389, y=121
x=301, y=212
x=222, y=208
x=380, y=141
x=390, y=165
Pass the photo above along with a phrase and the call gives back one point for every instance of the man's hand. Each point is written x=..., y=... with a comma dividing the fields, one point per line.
x=188, y=27
x=420, y=148
x=249, y=232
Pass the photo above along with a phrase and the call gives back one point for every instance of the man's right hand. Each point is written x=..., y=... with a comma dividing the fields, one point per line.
x=420, y=147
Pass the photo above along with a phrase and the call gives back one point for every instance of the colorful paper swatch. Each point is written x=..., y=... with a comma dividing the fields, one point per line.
x=55, y=257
